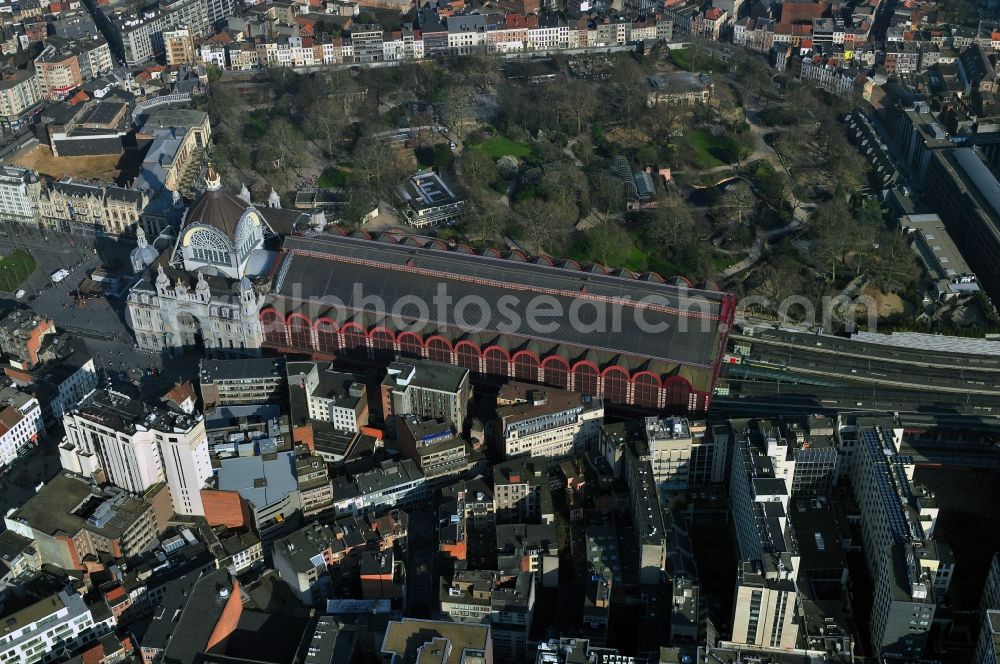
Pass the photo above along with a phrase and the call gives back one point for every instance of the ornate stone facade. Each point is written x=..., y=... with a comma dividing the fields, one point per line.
x=202, y=294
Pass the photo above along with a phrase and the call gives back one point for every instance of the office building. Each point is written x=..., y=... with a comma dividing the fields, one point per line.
x=897, y=522
x=759, y=489
x=814, y=451
x=70, y=518
x=429, y=390
x=268, y=487
x=390, y=484
x=765, y=611
x=963, y=190
x=435, y=446
x=647, y=519
x=417, y=640
x=243, y=381
x=546, y=422
x=137, y=446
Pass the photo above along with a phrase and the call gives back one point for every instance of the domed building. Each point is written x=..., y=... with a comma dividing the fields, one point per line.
x=208, y=289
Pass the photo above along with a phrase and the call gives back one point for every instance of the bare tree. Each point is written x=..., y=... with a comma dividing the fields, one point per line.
x=375, y=167
x=738, y=200
x=283, y=143
x=585, y=104
x=671, y=223
x=541, y=220
x=486, y=218
x=326, y=120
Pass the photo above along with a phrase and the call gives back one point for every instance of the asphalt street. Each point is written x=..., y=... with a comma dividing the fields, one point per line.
x=101, y=323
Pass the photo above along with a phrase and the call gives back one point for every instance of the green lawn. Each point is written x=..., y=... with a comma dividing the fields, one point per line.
x=15, y=269
x=498, y=146
x=685, y=59
x=332, y=177
x=711, y=151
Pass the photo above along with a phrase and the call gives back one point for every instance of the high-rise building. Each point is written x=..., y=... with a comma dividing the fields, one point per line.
x=897, y=524
x=137, y=446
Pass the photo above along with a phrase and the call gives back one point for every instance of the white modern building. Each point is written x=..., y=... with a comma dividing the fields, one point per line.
x=389, y=485
x=20, y=424
x=49, y=629
x=546, y=422
x=19, y=191
x=138, y=446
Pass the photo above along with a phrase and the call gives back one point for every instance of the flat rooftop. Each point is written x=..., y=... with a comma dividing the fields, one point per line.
x=68, y=503
x=328, y=268
x=405, y=638
x=262, y=480
x=241, y=369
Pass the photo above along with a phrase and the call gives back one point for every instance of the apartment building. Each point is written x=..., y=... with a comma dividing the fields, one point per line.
x=65, y=65
x=23, y=335
x=429, y=390
x=303, y=558
x=20, y=92
x=529, y=547
x=315, y=490
x=521, y=492
x=73, y=206
x=331, y=396
x=137, y=446
x=178, y=46
x=20, y=424
x=546, y=422
x=504, y=603
x=59, y=623
x=409, y=639
x=466, y=507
